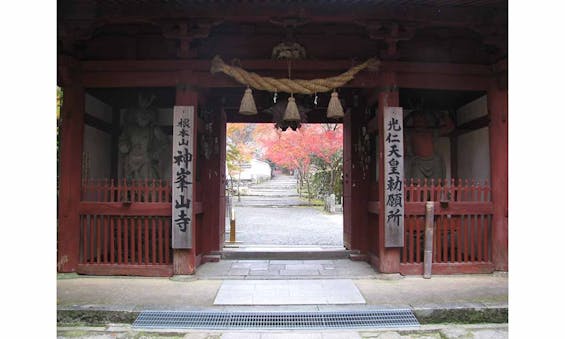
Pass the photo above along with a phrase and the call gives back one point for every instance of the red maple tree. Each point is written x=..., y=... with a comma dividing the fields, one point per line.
x=295, y=150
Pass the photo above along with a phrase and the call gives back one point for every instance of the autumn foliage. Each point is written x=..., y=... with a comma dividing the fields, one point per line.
x=313, y=144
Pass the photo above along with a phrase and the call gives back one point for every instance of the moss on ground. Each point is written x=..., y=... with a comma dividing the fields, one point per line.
x=463, y=316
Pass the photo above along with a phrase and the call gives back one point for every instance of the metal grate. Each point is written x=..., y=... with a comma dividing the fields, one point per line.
x=380, y=318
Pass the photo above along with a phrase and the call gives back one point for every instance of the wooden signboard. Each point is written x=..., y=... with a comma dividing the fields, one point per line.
x=394, y=176
x=182, y=204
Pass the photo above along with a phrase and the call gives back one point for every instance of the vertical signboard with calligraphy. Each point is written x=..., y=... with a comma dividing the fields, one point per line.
x=394, y=177
x=182, y=204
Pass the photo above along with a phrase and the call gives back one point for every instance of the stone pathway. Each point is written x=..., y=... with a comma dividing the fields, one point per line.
x=285, y=269
x=273, y=214
x=451, y=331
x=289, y=292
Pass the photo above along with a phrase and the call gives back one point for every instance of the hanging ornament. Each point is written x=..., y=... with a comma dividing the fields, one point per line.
x=291, y=112
x=275, y=98
x=316, y=99
x=335, y=110
x=247, y=106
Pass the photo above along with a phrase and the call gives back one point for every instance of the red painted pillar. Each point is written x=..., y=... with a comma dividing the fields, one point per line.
x=222, y=170
x=184, y=260
x=347, y=183
x=498, y=133
x=72, y=129
x=212, y=183
x=356, y=187
x=389, y=258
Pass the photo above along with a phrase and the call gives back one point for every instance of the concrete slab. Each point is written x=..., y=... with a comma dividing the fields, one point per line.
x=299, y=272
x=304, y=267
x=290, y=292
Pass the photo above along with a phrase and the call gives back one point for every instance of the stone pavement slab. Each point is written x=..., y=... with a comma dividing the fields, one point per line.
x=131, y=294
x=288, y=292
x=283, y=269
x=446, y=331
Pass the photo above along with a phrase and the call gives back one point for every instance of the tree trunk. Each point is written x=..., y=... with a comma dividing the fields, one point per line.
x=238, y=181
x=308, y=189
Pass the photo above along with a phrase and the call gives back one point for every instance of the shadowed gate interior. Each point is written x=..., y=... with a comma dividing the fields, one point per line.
x=125, y=222
x=124, y=66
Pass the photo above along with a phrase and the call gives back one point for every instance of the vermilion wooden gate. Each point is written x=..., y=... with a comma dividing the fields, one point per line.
x=462, y=227
x=125, y=228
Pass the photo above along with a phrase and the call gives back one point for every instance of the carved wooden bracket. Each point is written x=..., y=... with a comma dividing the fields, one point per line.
x=187, y=31
x=391, y=33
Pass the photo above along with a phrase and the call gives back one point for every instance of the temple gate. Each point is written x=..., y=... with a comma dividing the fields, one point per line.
x=120, y=91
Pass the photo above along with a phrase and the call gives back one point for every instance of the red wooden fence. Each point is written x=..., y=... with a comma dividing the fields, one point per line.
x=146, y=191
x=125, y=228
x=462, y=226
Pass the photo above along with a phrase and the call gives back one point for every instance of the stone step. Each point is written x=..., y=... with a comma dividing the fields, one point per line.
x=247, y=253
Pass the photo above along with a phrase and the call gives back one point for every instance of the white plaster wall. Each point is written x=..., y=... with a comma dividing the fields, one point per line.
x=475, y=109
x=97, y=144
x=473, y=158
x=98, y=108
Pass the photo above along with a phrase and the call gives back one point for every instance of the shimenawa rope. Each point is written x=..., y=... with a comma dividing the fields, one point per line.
x=297, y=86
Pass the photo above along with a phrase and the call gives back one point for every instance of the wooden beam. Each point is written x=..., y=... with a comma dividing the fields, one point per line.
x=134, y=270
x=159, y=73
x=448, y=268
x=455, y=208
x=97, y=123
x=131, y=209
x=255, y=65
x=471, y=125
x=443, y=81
x=206, y=80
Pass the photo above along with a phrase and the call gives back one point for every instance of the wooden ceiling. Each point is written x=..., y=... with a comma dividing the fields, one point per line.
x=472, y=32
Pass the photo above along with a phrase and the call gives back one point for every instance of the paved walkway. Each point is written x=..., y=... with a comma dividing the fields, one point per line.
x=283, y=269
x=453, y=331
x=187, y=292
x=273, y=214
x=104, y=301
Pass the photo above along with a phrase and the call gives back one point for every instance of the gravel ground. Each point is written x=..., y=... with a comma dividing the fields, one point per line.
x=275, y=215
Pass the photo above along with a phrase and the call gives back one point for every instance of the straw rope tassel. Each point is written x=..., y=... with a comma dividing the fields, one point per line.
x=291, y=112
x=335, y=110
x=247, y=106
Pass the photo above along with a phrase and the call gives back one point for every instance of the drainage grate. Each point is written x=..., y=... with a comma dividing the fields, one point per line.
x=381, y=318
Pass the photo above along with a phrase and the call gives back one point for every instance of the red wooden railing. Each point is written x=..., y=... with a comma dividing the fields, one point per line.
x=462, y=226
x=147, y=191
x=125, y=228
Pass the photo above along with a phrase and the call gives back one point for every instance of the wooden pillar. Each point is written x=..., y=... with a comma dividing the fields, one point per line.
x=347, y=168
x=184, y=260
x=498, y=133
x=389, y=258
x=70, y=177
x=222, y=170
x=212, y=182
x=356, y=189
